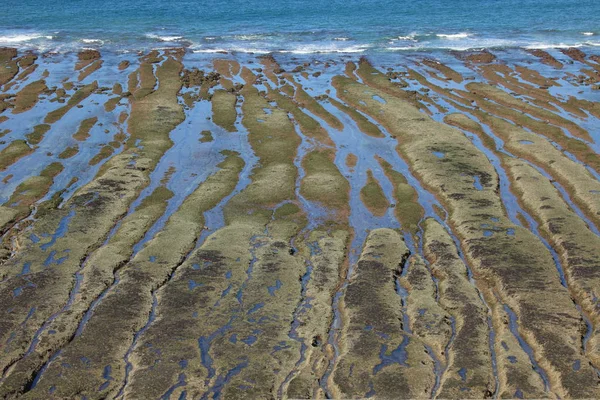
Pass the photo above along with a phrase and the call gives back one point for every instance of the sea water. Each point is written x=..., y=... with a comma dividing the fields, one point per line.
x=299, y=26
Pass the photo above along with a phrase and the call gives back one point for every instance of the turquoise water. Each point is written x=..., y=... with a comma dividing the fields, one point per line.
x=300, y=26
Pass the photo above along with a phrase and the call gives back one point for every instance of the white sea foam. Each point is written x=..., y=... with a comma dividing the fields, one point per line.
x=315, y=49
x=480, y=44
x=23, y=38
x=411, y=36
x=251, y=37
x=164, y=38
x=587, y=33
x=232, y=50
x=461, y=35
x=300, y=49
x=405, y=48
x=456, y=45
x=542, y=45
x=209, y=50
x=90, y=41
x=249, y=50
x=341, y=39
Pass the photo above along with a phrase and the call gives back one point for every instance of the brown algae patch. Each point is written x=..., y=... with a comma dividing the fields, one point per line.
x=546, y=58
x=350, y=69
x=86, y=57
x=95, y=66
x=111, y=104
x=123, y=65
x=323, y=181
x=77, y=98
x=28, y=97
x=307, y=101
x=9, y=67
x=505, y=99
x=535, y=77
x=365, y=126
x=39, y=131
x=373, y=197
x=104, y=153
x=448, y=72
x=13, y=152
x=69, y=152
x=407, y=208
x=575, y=54
x=271, y=68
x=476, y=57
x=308, y=125
x=206, y=136
x=83, y=132
x=223, y=109
x=351, y=160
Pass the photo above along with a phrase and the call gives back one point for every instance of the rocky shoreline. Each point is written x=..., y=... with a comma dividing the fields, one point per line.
x=185, y=226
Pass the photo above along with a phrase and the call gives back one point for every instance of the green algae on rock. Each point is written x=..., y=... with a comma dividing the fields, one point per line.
x=224, y=228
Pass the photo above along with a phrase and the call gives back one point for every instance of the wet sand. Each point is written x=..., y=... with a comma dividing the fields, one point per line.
x=180, y=225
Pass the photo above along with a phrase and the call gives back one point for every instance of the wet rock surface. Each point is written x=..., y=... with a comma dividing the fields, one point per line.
x=184, y=226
